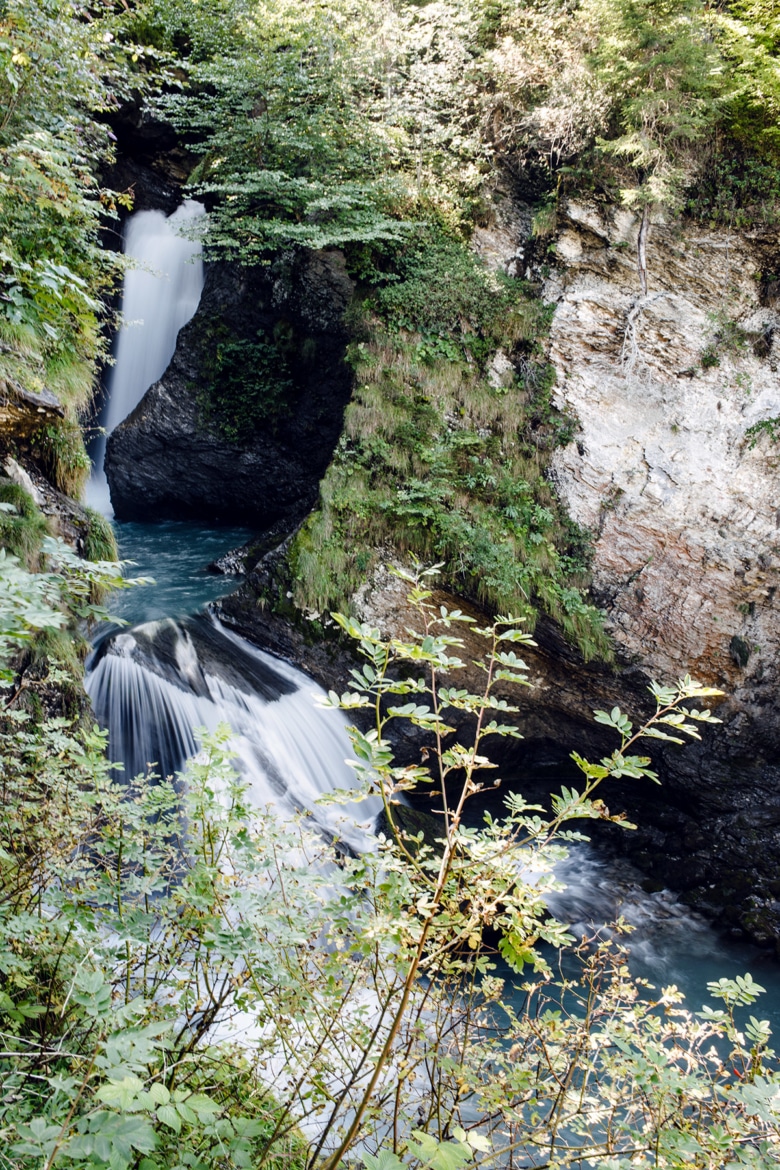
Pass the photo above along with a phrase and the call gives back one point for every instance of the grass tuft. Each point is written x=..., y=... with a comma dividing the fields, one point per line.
x=22, y=530
x=100, y=540
x=62, y=457
x=438, y=461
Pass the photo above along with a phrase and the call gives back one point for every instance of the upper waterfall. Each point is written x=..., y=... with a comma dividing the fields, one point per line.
x=161, y=292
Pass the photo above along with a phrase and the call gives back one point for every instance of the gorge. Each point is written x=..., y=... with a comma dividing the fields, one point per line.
x=426, y=357
x=152, y=685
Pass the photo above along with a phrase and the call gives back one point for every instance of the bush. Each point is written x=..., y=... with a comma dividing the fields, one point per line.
x=99, y=541
x=139, y=921
x=60, y=452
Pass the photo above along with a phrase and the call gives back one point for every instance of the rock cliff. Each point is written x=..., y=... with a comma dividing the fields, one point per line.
x=175, y=457
x=676, y=471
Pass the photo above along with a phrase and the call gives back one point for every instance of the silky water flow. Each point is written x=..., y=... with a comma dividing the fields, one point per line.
x=160, y=294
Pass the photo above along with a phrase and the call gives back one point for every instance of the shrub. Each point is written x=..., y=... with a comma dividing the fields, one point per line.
x=99, y=541
x=60, y=452
x=139, y=920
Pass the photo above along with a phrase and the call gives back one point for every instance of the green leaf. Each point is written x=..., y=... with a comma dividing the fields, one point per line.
x=384, y=1160
x=168, y=1116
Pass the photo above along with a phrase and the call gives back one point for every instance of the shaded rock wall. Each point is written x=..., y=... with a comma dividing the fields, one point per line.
x=170, y=459
x=682, y=498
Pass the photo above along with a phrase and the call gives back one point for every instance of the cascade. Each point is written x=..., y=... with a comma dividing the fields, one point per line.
x=153, y=685
x=160, y=294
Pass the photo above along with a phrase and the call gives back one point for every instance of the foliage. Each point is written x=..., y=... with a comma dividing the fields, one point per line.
x=439, y=288
x=248, y=384
x=184, y=980
x=22, y=526
x=322, y=126
x=671, y=103
x=60, y=452
x=766, y=426
x=440, y=458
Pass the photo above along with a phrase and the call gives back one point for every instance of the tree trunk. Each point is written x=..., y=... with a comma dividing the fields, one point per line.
x=641, y=249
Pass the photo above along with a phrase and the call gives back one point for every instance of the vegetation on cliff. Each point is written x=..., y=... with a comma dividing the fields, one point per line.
x=445, y=447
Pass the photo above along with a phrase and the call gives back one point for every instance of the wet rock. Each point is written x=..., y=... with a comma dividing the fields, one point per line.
x=174, y=457
x=150, y=150
x=146, y=187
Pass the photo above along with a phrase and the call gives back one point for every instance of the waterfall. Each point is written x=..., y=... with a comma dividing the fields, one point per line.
x=152, y=685
x=160, y=294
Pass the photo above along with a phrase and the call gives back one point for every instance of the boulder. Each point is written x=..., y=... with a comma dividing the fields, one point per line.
x=179, y=455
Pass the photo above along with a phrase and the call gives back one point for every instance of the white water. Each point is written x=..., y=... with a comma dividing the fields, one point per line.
x=160, y=294
x=151, y=686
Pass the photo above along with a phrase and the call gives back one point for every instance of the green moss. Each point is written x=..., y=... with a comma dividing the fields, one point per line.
x=22, y=530
x=437, y=461
x=59, y=647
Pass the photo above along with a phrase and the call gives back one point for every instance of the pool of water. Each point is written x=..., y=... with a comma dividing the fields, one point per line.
x=176, y=554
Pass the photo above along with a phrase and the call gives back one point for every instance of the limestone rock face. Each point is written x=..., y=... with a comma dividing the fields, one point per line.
x=674, y=474
x=168, y=459
x=682, y=494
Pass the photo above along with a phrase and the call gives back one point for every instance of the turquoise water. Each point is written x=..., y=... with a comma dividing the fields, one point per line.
x=176, y=554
